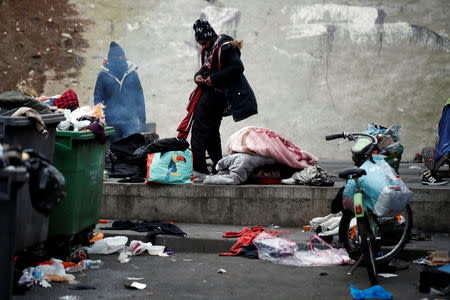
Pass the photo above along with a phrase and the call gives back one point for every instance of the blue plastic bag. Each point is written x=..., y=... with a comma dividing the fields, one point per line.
x=374, y=292
x=384, y=191
x=172, y=167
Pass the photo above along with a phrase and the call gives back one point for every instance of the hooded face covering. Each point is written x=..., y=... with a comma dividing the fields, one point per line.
x=117, y=60
x=203, y=30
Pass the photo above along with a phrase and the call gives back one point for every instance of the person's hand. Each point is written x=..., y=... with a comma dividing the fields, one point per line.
x=208, y=82
x=199, y=80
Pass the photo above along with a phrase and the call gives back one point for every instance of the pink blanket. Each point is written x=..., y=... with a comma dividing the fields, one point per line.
x=264, y=142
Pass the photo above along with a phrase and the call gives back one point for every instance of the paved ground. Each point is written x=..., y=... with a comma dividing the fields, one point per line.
x=195, y=276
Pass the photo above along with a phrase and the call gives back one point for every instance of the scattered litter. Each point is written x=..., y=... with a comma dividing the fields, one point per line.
x=420, y=261
x=438, y=258
x=108, y=245
x=221, y=271
x=82, y=287
x=399, y=264
x=157, y=250
x=135, y=278
x=123, y=256
x=96, y=236
x=77, y=256
x=204, y=281
x=187, y=259
x=283, y=251
x=307, y=227
x=387, y=275
x=69, y=297
x=374, y=292
x=136, y=286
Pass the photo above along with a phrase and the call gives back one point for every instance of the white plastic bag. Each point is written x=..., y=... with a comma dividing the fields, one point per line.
x=384, y=191
x=108, y=245
x=283, y=251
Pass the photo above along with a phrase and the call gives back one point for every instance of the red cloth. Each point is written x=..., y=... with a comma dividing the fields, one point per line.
x=246, y=236
x=67, y=100
x=186, y=124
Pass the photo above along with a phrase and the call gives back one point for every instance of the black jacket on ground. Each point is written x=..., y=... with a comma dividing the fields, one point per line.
x=227, y=75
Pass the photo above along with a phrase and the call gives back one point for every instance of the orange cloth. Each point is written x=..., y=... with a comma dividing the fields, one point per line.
x=246, y=236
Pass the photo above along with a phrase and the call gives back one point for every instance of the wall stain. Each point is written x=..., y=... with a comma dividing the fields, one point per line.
x=379, y=24
x=425, y=35
x=331, y=29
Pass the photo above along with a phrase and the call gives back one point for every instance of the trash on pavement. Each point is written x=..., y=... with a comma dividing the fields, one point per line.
x=157, y=250
x=96, y=237
x=399, y=264
x=374, y=292
x=221, y=271
x=438, y=258
x=387, y=275
x=136, y=285
x=69, y=297
x=420, y=261
x=123, y=256
x=78, y=255
x=326, y=226
x=108, y=245
x=135, y=248
x=135, y=278
x=284, y=251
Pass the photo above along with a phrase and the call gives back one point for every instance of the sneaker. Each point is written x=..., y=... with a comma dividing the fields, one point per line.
x=429, y=179
x=289, y=181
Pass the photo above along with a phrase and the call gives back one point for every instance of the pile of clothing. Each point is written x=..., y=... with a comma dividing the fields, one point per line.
x=259, y=154
x=127, y=157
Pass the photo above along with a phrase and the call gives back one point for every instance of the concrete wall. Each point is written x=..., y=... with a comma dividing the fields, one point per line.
x=292, y=206
x=316, y=67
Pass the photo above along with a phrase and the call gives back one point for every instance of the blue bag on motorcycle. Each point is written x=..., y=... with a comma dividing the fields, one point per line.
x=171, y=167
x=384, y=191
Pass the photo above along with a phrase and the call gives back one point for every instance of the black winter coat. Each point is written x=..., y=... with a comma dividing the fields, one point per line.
x=227, y=75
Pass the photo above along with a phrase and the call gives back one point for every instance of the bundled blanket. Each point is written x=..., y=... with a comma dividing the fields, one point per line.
x=237, y=168
x=267, y=143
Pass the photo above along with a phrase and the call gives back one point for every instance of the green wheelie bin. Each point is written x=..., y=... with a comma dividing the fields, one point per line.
x=81, y=159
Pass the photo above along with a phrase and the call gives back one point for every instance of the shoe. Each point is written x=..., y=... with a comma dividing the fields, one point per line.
x=429, y=179
x=199, y=177
x=289, y=181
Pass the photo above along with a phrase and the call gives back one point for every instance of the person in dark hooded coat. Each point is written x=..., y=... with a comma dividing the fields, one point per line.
x=118, y=87
x=225, y=91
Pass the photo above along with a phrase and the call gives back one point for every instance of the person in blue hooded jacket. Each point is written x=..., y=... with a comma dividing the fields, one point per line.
x=118, y=87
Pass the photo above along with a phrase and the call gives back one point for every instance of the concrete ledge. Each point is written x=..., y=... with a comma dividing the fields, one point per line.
x=290, y=206
x=207, y=238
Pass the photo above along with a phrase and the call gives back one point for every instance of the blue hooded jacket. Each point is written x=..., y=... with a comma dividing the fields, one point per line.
x=118, y=87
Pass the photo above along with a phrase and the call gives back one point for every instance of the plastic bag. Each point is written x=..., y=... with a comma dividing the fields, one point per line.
x=172, y=167
x=283, y=251
x=108, y=245
x=384, y=191
x=46, y=183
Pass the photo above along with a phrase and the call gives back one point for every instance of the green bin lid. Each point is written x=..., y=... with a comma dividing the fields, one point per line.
x=63, y=139
x=82, y=135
